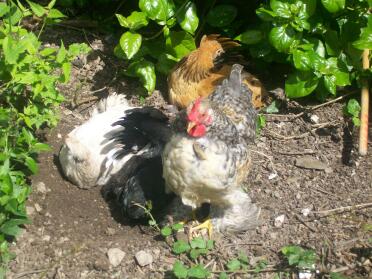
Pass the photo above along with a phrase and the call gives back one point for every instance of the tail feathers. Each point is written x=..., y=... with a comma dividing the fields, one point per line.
x=111, y=102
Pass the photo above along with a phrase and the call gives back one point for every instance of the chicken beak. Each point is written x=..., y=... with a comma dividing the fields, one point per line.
x=190, y=125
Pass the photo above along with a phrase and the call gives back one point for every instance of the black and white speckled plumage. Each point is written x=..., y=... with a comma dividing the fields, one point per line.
x=211, y=168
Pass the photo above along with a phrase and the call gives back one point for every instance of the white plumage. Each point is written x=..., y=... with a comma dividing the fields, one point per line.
x=86, y=155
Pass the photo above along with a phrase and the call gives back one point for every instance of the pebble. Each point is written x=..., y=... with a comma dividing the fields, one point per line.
x=143, y=258
x=278, y=222
x=314, y=118
x=41, y=188
x=46, y=238
x=38, y=208
x=101, y=264
x=309, y=162
x=115, y=256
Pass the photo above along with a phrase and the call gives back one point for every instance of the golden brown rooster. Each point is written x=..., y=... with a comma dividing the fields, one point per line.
x=198, y=73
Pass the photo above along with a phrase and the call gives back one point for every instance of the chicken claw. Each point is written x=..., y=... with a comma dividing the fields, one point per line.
x=207, y=224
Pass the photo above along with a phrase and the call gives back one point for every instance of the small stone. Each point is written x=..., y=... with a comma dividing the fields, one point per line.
x=272, y=175
x=314, y=119
x=156, y=253
x=306, y=211
x=41, y=188
x=30, y=210
x=115, y=256
x=46, y=238
x=278, y=222
x=309, y=162
x=143, y=258
x=48, y=215
x=328, y=170
x=59, y=136
x=38, y=208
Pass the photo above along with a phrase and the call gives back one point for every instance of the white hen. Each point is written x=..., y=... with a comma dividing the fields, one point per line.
x=86, y=152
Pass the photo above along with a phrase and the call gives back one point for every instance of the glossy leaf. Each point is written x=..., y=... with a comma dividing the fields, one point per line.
x=55, y=14
x=178, y=44
x=300, y=84
x=281, y=8
x=187, y=18
x=221, y=15
x=130, y=43
x=333, y=6
x=330, y=83
x=145, y=70
x=282, y=38
x=134, y=21
x=250, y=37
x=159, y=10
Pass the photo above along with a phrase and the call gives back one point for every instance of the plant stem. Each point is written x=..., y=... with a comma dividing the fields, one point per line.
x=363, y=136
x=147, y=211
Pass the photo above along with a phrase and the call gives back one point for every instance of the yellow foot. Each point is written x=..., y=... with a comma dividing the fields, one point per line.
x=207, y=224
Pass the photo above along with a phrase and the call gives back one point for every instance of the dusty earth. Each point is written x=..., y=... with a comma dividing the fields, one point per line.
x=312, y=186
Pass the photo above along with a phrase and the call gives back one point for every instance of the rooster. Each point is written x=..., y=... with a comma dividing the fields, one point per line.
x=198, y=73
x=207, y=158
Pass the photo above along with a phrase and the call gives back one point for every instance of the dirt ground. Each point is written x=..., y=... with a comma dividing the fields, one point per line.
x=303, y=167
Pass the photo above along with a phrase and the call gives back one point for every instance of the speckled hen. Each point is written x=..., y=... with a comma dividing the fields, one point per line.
x=207, y=159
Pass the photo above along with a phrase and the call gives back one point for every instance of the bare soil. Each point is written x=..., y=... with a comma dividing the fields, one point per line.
x=72, y=229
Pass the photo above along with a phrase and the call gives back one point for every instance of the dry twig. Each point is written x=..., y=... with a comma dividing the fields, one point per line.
x=343, y=209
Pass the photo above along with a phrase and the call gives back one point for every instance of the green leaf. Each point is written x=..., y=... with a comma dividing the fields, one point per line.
x=310, y=6
x=342, y=78
x=242, y=257
x=11, y=51
x=353, y=108
x=61, y=55
x=66, y=69
x=198, y=242
x=11, y=227
x=330, y=83
x=250, y=37
x=333, y=6
x=365, y=40
x=158, y=10
x=300, y=84
x=223, y=275
x=40, y=147
x=51, y=4
x=332, y=43
x=54, y=14
x=233, y=265
x=47, y=51
x=282, y=9
x=265, y=14
x=4, y=9
x=180, y=247
x=356, y=121
x=130, y=43
x=179, y=44
x=6, y=181
x=221, y=15
x=37, y=9
x=31, y=165
x=210, y=244
x=198, y=271
x=195, y=253
x=177, y=227
x=187, y=18
x=145, y=70
x=134, y=21
x=166, y=231
x=282, y=38
x=302, y=60
x=179, y=270
x=335, y=275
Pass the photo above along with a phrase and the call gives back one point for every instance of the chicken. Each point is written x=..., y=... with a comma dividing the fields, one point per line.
x=207, y=158
x=86, y=149
x=107, y=151
x=198, y=74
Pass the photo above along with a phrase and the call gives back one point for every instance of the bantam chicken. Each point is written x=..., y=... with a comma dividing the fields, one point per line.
x=198, y=73
x=85, y=150
x=207, y=158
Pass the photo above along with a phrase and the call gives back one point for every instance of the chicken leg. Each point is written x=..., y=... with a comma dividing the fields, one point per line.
x=207, y=224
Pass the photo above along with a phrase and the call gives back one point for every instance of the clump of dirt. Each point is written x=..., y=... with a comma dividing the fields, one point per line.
x=305, y=176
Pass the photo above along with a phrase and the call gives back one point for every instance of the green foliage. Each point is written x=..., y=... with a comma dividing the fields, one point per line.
x=29, y=74
x=352, y=109
x=299, y=257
